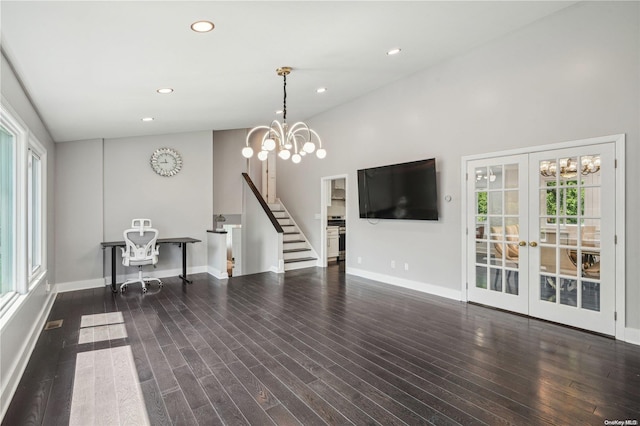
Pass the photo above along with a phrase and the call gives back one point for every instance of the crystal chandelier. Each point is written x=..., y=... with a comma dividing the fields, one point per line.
x=569, y=168
x=293, y=141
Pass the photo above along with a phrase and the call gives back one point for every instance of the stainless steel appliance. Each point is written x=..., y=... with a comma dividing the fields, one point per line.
x=342, y=232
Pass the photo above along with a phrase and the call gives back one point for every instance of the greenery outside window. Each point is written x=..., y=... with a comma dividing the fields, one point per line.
x=565, y=201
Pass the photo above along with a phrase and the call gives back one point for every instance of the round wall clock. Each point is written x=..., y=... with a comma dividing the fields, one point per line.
x=166, y=162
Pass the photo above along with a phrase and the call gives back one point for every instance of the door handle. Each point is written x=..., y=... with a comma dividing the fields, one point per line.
x=522, y=243
x=533, y=244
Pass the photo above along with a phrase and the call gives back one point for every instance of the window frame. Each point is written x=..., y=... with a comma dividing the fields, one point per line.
x=35, y=273
x=24, y=277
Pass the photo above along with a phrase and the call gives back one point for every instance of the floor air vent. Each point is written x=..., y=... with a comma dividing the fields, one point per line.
x=53, y=324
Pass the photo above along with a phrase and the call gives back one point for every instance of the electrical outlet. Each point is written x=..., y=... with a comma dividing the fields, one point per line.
x=47, y=286
x=359, y=259
x=406, y=266
x=393, y=264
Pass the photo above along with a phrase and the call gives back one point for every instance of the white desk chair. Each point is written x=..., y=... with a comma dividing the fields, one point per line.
x=141, y=249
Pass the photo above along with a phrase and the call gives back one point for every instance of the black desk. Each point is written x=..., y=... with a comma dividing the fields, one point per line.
x=181, y=241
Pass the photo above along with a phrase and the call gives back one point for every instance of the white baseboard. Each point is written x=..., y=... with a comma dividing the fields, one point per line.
x=217, y=273
x=79, y=285
x=101, y=282
x=632, y=335
x=156, y=273
x=12, y=379
x=277, y=270
x=401, y=282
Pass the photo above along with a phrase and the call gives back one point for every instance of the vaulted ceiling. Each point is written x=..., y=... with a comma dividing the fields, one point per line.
x=92, y=68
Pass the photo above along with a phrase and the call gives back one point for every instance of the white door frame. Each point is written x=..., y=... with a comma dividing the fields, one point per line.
x=325, y=196
x=620, y=217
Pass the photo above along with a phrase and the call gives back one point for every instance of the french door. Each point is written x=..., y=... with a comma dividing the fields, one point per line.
x=543, y=235
x=497, y=226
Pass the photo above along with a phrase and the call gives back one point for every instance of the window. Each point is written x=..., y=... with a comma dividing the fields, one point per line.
x=7, y=213
x=35, y=213
x=23, y=168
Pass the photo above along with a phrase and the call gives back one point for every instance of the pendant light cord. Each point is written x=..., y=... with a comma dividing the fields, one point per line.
x=284, y=109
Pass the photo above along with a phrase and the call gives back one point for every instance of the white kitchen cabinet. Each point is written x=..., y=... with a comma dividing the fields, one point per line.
x=333, y=239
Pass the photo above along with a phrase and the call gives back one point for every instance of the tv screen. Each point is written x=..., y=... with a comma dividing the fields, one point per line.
x=399, y=191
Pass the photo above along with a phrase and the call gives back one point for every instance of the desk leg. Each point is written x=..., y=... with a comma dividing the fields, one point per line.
x=113, y=270
x=184, y=263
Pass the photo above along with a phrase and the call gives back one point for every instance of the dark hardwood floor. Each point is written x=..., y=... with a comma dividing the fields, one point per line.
x=317, y=347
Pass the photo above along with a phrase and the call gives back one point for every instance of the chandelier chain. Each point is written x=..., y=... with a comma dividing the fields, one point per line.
x=284, y=107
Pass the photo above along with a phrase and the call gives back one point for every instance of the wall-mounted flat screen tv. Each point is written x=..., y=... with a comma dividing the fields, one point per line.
x=399, y=191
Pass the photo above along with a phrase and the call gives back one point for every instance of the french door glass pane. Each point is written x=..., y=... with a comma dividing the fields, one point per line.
x=481, y=277
x=511, y=176
x=495, y=177
x=548, y=288
x=591, y=295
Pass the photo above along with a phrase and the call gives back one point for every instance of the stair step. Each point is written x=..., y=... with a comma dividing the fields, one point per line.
x=289, y=245
x=300, y=264
x=302, y=259
x=295, y=250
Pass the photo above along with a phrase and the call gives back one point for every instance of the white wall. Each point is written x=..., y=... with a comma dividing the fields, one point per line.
x=79, y=212
x=103, y=185
x=228, y=166
x=178, y=206
x=21, y=325
x=572, y=75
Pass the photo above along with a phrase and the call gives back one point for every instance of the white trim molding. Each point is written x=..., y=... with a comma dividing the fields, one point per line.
x=79, y=285
x=217, y=273
x=632, y=336
x=106, y=281
x=11, y=379
x=423, y=287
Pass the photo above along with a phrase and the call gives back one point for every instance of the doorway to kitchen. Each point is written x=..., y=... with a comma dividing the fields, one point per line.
x=333, y=219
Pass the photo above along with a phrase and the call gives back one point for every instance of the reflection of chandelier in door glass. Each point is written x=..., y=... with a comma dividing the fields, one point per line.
x=480, y=175
x=569, y=167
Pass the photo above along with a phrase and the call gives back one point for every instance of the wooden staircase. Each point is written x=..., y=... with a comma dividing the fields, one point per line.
x=296, y=250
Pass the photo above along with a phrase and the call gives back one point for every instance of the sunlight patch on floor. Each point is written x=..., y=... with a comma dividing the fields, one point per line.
x=106, y=390
x=100, y=327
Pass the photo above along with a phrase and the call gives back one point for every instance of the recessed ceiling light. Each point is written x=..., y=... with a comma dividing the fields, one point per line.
x=321, y=90
x=279, y=111
x=202, y=26
x=165, y=90
x=148, y=119
x=393, y=51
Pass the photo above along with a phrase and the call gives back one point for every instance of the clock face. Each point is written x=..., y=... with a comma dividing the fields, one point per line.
x=166, y=162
